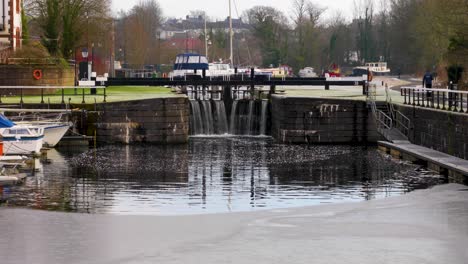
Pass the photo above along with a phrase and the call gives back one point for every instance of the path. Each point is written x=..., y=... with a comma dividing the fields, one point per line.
x=423, y=227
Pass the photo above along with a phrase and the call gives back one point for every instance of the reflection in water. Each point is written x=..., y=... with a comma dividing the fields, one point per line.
x=212, y=175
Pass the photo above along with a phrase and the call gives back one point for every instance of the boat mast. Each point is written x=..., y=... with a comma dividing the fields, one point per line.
x=206, y=41
x=230, y=34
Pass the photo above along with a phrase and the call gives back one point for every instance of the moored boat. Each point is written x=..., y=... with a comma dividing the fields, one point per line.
x=21, y=140
x=53, y=126
x=376, y=68
x=189, y=64
x=307, y=72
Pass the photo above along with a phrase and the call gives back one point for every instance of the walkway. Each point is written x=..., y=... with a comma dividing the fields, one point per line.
x=435, y=157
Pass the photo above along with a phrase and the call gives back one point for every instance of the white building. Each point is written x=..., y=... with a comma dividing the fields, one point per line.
x=10, y=24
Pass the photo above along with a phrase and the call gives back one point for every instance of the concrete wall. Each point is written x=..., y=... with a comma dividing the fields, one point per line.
x=22, y=75
x=440, y=130
x=161, y=121
x=314, y=120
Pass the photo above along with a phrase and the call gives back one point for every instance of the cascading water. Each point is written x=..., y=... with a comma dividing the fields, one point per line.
x=232, y=127
x=221, y=118
x=207, y=118
x=248, y=117
x=196, y=124
x=263, y=117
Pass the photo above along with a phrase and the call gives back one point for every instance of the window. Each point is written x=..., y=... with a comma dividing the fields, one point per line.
x=194, y=59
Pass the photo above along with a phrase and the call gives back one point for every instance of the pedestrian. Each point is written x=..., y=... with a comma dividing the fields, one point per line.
x=427, y=82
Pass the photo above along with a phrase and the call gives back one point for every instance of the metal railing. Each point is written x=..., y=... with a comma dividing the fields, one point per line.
x=384, y=122
x=79, y=90
x=401, y=122
x=443, y=99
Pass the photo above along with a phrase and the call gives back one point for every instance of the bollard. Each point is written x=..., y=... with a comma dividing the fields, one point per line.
x=272, y=90
x=42, y=95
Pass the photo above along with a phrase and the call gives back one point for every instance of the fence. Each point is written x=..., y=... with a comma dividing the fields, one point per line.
x=443, y=99
x=78, y=90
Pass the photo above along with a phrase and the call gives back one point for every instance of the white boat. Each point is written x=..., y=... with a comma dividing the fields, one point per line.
x=54, y=128
x=53, y=132
x=189, y=64
x=377, y=68
x=307, y=72
x=219, y=69
x=22, y=140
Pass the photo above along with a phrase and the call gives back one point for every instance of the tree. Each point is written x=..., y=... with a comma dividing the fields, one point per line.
x=270, y=28
x=140, y=33
x=64, y=24
x=305, y=17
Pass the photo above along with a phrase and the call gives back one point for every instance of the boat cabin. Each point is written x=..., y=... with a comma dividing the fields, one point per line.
x=190, y=61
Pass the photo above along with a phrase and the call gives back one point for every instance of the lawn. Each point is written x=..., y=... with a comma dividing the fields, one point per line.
x=113, y=94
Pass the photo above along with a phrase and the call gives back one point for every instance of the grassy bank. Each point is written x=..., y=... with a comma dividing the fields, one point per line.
x=113, y=94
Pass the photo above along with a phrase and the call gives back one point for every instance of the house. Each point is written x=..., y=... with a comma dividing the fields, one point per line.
x=10, y=24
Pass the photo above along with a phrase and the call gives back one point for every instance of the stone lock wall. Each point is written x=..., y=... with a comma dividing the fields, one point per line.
x=159, y=121
x=440, y=130
x=22, y=75
x=315, y=120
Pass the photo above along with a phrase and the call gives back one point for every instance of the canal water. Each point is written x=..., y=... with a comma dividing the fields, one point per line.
x=212, y=175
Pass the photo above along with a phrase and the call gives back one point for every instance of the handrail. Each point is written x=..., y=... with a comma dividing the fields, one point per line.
x=441, y=99
x=402, y=123
x=384, y=122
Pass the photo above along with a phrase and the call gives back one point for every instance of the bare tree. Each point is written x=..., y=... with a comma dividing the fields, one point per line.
x=141, y=38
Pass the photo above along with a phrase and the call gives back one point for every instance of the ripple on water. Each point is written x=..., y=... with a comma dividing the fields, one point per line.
x=211, y=175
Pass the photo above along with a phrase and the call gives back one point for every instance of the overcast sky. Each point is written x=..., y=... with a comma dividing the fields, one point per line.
x=219, y=8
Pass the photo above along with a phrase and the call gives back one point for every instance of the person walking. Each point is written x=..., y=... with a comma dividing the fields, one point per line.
x=427, y=82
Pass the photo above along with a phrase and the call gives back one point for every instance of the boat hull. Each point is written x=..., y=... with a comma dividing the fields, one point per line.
x=54, y=133
x=22, y=146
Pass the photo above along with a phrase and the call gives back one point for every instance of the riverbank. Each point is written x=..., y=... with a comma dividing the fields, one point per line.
x=426, y=226
x=75, y=96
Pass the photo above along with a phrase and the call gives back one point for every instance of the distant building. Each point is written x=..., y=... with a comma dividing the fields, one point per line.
x=185, y=42
x=10, y=24
x=196, y=26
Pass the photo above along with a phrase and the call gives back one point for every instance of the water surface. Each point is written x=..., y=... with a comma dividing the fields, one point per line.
x=211, y=175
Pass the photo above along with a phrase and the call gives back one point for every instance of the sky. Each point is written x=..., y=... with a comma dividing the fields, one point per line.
x=218, y=9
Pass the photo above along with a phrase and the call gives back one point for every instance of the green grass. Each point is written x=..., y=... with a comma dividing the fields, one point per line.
x=113, y=94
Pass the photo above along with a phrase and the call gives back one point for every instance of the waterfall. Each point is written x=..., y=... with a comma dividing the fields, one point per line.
x=250, y=118
x=196, y=123
x=221, y=118
x=207, y=118
x=247, y=117
x=232, y=126
x=263, y=117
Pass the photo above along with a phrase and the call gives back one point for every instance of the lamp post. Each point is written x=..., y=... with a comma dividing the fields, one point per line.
x=84, y=54
x=92, y=57
x=87, y=42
